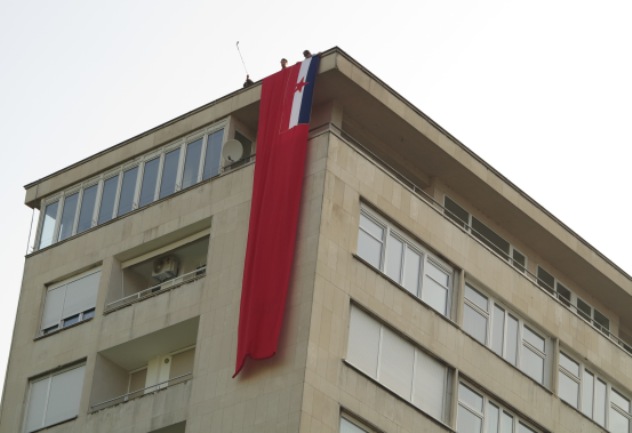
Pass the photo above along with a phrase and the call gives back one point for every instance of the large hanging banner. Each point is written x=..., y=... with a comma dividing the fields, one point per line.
x=284, y=112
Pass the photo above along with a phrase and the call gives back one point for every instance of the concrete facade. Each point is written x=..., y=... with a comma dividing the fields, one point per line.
x=370, y=153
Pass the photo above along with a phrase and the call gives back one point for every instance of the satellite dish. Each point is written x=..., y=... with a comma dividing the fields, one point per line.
x=232, y=152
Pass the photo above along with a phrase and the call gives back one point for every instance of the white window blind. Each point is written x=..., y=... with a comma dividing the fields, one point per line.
x=54, y=398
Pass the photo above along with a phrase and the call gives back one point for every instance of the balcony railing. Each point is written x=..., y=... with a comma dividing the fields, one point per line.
x=156, y=290
x=141, y=392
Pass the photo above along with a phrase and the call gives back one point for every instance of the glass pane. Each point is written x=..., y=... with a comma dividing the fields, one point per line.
x=546, y=280
x=471, y=398
x=434, y=291
x=364, y=341
x=601, y=322
x=348, y=427
x=394, y=251
x=48, y=224
x=371, y=227
x=506, y=423
x=192, y=163
x=511, y=353
x=569, y=364
x=534, y=339
x=88, y=200
x=476, y=298
x=584, y=310
x=396, y=364
x=532, y=364
x=617, y=423
x=568, y=390
x=588, y=382
x=519, y=260
x=467, y=422
x=128, y=188
x=429, y=389
x=620, y=401
x=150, y=178
x=65, y=395
x=369, y=249
x=68, y=215
x=564, y=295
x=412, y=262
x=475, y=324
x=169, y=173
x=107, y=199
x=492, y=418
x=524, y=429
x=213, y=154
x=498, y=330
x=599, y=406
x=38, y=395
x=456, y=212
x=490, y=238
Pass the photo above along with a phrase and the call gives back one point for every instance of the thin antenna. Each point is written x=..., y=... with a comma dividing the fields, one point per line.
x=242, y=58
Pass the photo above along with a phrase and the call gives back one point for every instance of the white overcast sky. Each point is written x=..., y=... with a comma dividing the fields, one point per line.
x=540, y=89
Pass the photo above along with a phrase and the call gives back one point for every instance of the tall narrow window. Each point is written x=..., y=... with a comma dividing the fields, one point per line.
x=212, y=158
x=106, y=210
x=68, y=215
x=48, y=224
x=128, y=190
x=192, y=163
x=370, y=241
x=54, y=398
x=150, y=179
x=169, y=173
x=88, y=200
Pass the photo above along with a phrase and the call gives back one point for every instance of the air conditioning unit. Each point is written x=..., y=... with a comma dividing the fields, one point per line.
x=165, y=268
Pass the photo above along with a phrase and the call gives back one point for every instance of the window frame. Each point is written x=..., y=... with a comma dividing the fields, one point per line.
x=64, y=322
x=52, y=224
x=580, y=379
x=426, y=257
x=483, y=413
x=521, y=342
x=49, y=377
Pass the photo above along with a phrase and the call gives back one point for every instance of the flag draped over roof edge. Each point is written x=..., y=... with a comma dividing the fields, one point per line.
x=284, y=112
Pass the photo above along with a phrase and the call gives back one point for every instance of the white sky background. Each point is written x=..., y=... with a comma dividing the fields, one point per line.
x=542, y=90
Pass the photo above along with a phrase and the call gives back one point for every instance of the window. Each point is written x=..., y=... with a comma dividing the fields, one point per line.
x=505, y=334
x=485, y=234
x=476, y=413
x=134, y=185
x=572, y=301
x=54, y=398
x=593, y=396
x=71, y=301
x=405, y=262
x=347, y=426
x=398, y=365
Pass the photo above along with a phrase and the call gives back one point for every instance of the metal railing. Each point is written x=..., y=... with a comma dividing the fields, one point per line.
x=141, y=392
x=408, y=184
x=156, y=290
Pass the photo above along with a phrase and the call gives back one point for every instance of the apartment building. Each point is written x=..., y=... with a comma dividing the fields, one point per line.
x=428, y=292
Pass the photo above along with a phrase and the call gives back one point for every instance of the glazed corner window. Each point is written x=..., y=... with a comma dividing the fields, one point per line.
x=70, y=301
x=54, y=398
x=405, y=262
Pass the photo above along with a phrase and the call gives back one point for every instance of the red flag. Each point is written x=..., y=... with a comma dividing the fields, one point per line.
x=284, y=110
